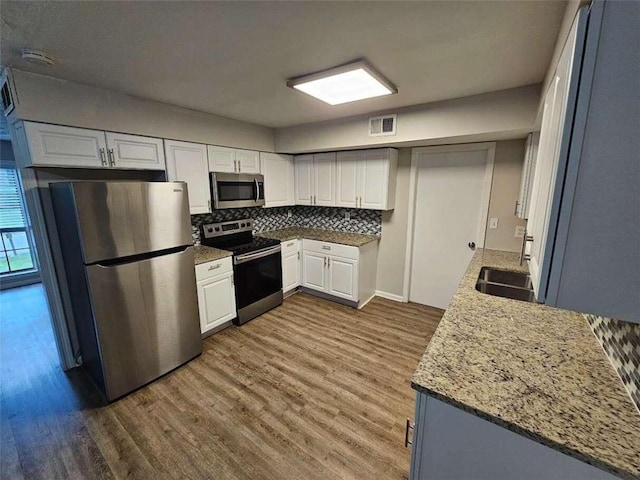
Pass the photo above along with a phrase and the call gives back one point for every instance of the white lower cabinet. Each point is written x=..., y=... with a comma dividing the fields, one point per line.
x=338, y=271
x=290, y=265
x=216, y=294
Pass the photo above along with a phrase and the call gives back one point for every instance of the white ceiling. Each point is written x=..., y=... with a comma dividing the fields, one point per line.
x=233, y=58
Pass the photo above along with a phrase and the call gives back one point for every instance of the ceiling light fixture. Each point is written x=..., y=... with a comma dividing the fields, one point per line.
x=37, y=57
x=343, y=84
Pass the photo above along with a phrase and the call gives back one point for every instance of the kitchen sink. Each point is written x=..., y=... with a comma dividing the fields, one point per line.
x=506, y=284
x=506, y=277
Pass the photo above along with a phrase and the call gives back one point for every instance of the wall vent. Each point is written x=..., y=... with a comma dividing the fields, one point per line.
x=382, y=125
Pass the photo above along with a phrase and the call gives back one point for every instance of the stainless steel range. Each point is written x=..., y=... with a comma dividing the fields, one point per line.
x=257, y=266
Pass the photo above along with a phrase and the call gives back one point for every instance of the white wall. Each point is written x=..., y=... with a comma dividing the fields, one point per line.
x=392, y=250
x=51, y=100
x=506, y=114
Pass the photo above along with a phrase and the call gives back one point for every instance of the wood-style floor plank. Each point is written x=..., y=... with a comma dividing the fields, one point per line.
x=311, y=390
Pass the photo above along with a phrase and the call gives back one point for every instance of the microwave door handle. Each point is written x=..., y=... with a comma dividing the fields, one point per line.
x=257, y=189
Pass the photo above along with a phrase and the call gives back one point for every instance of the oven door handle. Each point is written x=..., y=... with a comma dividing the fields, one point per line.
x=255, y=255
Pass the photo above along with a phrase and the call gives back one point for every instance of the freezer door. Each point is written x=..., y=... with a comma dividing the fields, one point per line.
x=146, y=318
x=118, y=219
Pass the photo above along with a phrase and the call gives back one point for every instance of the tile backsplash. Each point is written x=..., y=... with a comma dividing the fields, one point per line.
x=328, y=218
x=621, y=342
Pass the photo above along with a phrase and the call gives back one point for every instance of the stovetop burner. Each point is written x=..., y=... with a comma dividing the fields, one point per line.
x=235, y=236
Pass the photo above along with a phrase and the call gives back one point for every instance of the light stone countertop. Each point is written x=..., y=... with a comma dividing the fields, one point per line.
x=205, y=254
x=344, y=238
x=535, y=370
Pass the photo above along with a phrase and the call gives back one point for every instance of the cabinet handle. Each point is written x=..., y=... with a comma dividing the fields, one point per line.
x=209, y=204
x=112, y=158
x=515, y=211
x=328, y=262
x=290, y=244
x=214, y=267
x=408, y=426
x=528, y=238
x=298, y=255
x=103, y=157
x=326, y=247
x=325, y=262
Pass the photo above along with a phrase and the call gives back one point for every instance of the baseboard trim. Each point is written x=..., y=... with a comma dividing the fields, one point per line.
x=362, y=304
x=390, y=296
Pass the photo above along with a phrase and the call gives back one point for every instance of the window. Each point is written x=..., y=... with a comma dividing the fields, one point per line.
x=16, y=251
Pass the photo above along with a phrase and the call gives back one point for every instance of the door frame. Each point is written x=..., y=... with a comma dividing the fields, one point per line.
x=490, y=148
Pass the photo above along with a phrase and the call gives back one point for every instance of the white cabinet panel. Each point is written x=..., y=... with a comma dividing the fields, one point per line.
x=216, y=301
x=304, y=179
x=347, y=179
x=343, y=278
x=133, y=151
x=373, y=175
x=187, y=162
x=279, y=179
x=314, y=271
x=526, y=180
x=325, y=182
x=55, y=145
x=222, y=159
x=290, y=271
x=248, y=161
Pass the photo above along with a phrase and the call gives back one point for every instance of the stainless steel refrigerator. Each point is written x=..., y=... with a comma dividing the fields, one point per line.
x=128, y=256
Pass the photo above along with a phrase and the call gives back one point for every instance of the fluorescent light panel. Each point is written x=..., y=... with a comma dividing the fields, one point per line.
x=348, y=83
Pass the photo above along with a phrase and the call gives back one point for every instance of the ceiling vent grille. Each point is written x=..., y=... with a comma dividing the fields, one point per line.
x=382, y=125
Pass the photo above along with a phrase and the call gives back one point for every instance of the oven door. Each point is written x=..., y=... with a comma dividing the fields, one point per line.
x=258, y=279
x=236, y=190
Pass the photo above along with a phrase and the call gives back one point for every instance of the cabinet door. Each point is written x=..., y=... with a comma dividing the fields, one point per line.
x=248, y=161
x=343, y=278
x=54, y=145
x=373, y=177
x=187, y=162
x=325, y=179
x=346, y=179
x=133, y=151
x=216, y=301
x=222, y=159
x=290, y=271
x=314, y=271
x=526, y=179
x=279, y=179
x=304, y=182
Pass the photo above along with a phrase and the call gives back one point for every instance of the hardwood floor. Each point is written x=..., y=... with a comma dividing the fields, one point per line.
x=310, y=390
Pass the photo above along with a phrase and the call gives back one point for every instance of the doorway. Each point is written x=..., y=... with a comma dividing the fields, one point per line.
x=448, y=207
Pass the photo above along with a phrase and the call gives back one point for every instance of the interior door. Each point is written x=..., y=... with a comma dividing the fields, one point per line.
x=187, y=162
x=347, y=179
x=325, y=171
x=304, y=184
x=451, y=203
x=134, y=151
x=314, y=271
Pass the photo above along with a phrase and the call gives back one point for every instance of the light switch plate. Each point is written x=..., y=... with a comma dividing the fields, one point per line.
x=347, y=215
x=289, y=214
x=493, y=223
x=520, y=231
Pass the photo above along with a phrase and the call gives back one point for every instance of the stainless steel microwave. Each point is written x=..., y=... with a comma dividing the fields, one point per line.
x=236, y=190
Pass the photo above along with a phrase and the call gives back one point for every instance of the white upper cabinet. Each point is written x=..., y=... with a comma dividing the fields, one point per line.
x=325, y=179
x=58, y=146
x=248, y=161
x=133, y=151
x=304, y=180
x=315, y=179
x=347, y=179
x=526, y=180
x=279, y=179
x=367, y=179
x=233, y=160
x=222, y=159
x=187, y=162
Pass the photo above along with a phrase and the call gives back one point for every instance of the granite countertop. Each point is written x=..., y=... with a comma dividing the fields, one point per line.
x=344, y=238
x=204, y=254
x=535, y=370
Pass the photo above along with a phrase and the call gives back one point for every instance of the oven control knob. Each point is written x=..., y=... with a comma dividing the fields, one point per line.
x=242, y=225
x=210, y=229
x=217, y=229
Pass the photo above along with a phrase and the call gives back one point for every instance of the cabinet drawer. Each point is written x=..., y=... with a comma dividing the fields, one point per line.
x=290, y=246
x=333, y=249
x=212, y=269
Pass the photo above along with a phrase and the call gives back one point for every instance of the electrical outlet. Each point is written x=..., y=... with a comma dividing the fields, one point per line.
x=520, y=231
x=493, y=223
x=289, y=214
x=347, y=215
